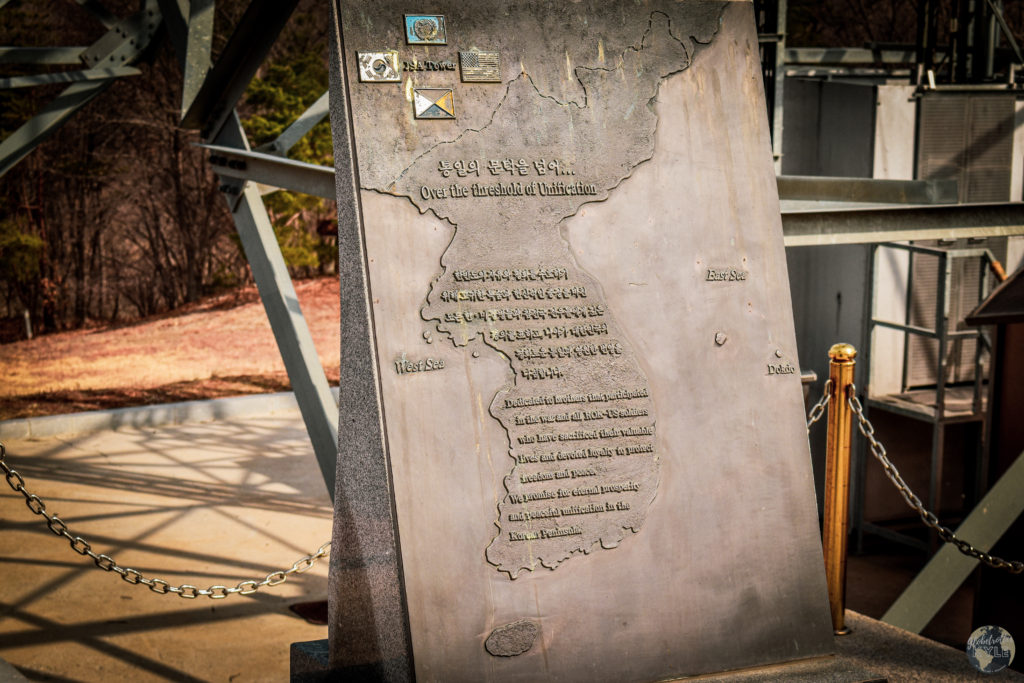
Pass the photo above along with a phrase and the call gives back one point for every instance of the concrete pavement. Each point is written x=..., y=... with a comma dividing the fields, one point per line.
x=197, y=503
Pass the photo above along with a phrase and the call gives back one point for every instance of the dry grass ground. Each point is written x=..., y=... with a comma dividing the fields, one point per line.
x=222, y=346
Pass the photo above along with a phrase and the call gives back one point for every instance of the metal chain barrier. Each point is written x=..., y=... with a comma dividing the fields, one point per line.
x=819, y=408
x=928, y=517
x=133, y=576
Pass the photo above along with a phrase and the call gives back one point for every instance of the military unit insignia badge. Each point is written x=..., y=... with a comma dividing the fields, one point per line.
x=480, y=67
x=433, y=103
x=378, y=67
x=425, y=29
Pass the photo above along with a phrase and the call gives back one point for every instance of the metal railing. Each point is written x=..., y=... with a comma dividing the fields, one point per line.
x=839, y=401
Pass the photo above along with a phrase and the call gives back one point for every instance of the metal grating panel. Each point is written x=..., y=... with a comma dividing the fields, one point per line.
x=989, y=148
x=968, y=138
x=941, y=139
x=966, y=281
x=922, y=353
x=964, y=297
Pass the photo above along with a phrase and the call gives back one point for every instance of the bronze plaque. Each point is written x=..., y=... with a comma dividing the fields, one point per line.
x=585, y=345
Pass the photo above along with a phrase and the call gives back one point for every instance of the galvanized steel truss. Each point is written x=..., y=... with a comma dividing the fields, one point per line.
x=209, y=95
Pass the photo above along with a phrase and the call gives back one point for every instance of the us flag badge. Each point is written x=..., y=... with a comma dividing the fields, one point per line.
x=433, y=103
x=480, y=67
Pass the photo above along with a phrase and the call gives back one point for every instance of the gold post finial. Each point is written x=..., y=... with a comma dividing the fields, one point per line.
x=842, y=352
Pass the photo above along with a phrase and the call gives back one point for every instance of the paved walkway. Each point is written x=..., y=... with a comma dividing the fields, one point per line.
x=203, y=504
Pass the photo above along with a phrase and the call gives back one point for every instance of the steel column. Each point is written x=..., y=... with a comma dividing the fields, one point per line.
x=68, y=77
x=868, y=190
x=21, y=142
x=238, y=62
x=294, y=341
x=298, y=129
x=866, y=226
x=197, y=50
x=41, y=55
x=270, y=169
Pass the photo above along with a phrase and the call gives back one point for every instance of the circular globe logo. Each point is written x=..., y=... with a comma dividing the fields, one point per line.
x=425, y=29
x=990, y=649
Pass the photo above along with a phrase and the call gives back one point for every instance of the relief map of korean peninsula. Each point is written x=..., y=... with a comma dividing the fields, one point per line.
x=577, y=410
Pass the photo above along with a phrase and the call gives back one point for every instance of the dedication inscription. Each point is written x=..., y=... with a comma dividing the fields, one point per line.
x=577, y=406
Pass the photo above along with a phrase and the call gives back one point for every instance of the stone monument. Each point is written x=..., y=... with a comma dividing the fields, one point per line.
x=572, y=443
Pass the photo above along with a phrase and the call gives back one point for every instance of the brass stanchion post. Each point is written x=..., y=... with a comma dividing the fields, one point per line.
x=837, y=481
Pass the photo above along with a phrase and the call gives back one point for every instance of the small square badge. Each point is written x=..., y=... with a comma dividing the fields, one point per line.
x=478, y=66
x=433, y=103
x=425, y=29
x=378, y=67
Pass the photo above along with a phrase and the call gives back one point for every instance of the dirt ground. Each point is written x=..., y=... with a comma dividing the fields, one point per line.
x=222, y=346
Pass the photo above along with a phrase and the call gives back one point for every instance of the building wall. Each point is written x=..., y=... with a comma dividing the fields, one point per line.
x=859, y=129
x=895, y=116
x=829, y=299
x=829, y=128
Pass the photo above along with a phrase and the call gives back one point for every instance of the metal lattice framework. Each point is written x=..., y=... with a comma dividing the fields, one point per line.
x=210, y=93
